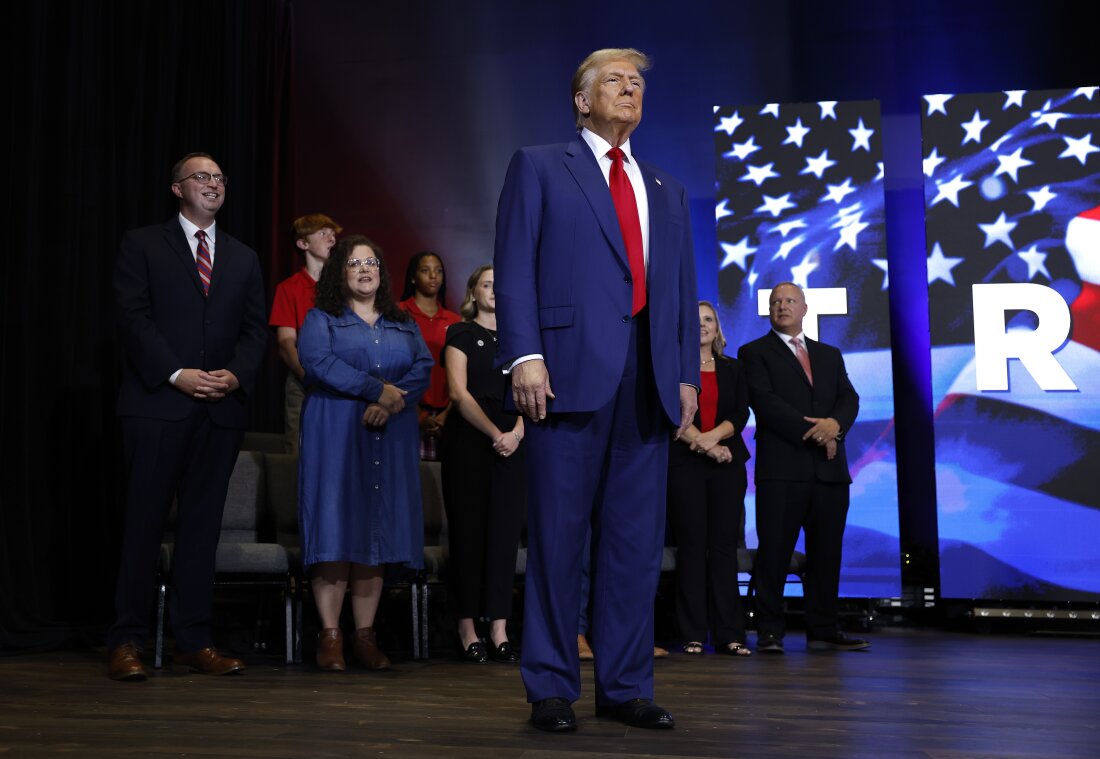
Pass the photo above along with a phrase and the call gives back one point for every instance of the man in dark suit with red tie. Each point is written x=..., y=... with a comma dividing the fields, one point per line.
x=192, y=320
x=598, y=326
x=804, y=403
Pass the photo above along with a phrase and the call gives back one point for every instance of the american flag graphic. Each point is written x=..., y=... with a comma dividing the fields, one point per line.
x=800, y=198
x=1012, y=189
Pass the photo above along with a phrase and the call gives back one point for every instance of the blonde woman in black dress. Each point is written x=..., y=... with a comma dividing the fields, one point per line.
x=483, y=481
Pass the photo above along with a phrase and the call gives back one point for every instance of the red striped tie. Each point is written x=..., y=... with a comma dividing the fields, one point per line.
x=626, y=208
x=204, y=262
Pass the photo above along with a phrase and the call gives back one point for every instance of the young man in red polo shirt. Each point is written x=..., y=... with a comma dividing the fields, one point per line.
x=314, y=236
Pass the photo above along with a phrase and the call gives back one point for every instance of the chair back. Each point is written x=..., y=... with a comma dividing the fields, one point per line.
x=281, y=472
x=244, y=501
x=435, y=519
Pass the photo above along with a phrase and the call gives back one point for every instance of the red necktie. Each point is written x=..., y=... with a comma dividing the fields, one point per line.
x=803, y=358
x=626, y=208
x=204, y=262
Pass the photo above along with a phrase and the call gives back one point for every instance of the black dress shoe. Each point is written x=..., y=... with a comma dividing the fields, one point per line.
x=554, y=715
x=476, y=653
x=504, y=653
x=837, y=642
x=638, y=712
x=769, y=644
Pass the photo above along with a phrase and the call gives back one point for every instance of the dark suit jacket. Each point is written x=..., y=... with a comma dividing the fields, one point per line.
x=167, y=323
x=781, y=396
x=733, y=407
x=563, y=285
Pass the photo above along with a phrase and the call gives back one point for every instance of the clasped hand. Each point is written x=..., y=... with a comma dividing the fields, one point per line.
x=206, y=386
x=506, y=443
x=390, y=401
x=823, y=432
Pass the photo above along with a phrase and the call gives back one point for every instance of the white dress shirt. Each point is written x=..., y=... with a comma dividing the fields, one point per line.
x=599, y=147
x=189, y=231
x=789, y=340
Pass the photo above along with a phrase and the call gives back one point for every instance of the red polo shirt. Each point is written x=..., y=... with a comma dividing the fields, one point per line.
x=293, y=297
x=434, y=331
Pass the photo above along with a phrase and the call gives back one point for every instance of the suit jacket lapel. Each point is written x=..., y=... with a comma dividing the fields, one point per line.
x=658, y=224
x=223, y=251
x=788, y=355
x=177, y=241
x=582, y=164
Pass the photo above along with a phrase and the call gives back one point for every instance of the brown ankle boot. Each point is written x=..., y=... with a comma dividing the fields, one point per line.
x=330, y=650
x=366, y=650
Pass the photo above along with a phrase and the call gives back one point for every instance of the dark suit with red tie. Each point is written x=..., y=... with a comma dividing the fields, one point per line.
x=177, y=446
x=797, y=485
x=564, y=292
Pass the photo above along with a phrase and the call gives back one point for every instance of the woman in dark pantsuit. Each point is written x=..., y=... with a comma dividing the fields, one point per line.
x=707, y=498
x=483, y=482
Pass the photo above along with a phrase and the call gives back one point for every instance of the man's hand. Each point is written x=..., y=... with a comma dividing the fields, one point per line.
x=824, y=430
x=206, y=386
x=689, y=404
x=392, y=398
x=227, y=377
x=375, y=415
x=531, y=388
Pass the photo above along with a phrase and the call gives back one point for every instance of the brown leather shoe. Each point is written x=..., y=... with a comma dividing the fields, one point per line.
x=660, y=653
x=209, y=662
x=330, y=650
x=126, y=663
x=584, y=650
x=366, y=650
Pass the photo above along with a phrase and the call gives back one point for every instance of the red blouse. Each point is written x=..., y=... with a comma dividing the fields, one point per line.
x=708, y=401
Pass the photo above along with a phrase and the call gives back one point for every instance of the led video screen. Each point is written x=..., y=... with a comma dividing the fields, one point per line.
x=800, y=199
x=1012, y=196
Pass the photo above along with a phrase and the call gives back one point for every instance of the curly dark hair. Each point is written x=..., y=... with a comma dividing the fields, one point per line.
x=332, y=289
x=410, y=275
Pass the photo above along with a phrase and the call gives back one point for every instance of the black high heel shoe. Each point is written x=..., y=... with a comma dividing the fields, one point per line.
x=476, y=653
x=504, y=653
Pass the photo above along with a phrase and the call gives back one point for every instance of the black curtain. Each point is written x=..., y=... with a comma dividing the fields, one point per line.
x=103, y=98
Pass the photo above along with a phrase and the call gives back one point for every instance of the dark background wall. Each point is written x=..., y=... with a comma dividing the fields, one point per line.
x=398, y=120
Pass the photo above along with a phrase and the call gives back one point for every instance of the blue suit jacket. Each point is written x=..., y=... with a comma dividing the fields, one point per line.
x=563, y=285
x=167, y=323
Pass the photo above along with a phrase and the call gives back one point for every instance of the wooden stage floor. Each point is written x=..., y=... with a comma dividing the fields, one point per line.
x=914, y=694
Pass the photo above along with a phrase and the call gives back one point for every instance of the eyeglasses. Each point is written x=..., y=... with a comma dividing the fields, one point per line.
x=370, y=263
x=202, y=177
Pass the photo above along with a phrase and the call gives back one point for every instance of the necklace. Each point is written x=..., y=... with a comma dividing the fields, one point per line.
x=708, y=361
x=492, y=332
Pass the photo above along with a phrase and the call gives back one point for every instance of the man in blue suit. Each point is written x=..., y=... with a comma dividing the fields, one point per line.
x=598, y=325
x=191, y=314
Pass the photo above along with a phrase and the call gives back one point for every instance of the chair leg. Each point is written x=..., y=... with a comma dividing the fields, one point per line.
x=158, y=656
x=424, y=626
x=288, y=615
x=414, y=595
x=299, y=605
